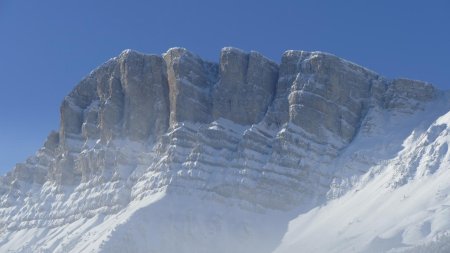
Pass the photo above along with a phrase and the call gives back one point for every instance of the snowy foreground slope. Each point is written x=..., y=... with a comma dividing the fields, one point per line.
x=176, y=154
x=401, y=202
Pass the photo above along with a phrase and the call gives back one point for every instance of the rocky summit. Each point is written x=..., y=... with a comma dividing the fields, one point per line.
x=173, y=153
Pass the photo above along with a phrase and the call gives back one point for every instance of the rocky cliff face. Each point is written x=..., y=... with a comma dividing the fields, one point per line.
x=247, y=130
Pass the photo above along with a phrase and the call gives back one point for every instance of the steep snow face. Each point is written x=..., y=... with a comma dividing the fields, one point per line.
x=401, y=204
x=220, y=157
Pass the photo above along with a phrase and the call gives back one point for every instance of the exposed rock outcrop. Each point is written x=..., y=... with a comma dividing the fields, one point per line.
x=246, y=86
x=190, y=81
x=244, y=130
x=407, y=94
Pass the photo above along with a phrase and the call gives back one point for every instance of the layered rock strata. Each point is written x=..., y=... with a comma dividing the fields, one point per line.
x=246, y=128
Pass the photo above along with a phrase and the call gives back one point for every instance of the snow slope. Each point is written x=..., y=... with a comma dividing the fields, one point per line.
x=175, y=154
x=398, y=204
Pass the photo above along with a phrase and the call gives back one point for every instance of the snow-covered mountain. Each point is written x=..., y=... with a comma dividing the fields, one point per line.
x=176, y=154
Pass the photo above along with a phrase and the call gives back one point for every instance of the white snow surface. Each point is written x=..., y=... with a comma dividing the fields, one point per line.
x=390, y=192
x=400, y=204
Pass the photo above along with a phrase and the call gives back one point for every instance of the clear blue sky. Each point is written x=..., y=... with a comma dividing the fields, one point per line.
x=46, y=47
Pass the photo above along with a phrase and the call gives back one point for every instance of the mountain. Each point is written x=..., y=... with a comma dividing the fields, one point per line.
x=173, y=153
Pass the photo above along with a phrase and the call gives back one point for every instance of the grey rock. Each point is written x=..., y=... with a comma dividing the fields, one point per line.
x=90, y=128
x=126, y=97
x=111, y=108
x=146, y=93
x=418, y=90
x=406, y=95
x=73, y=105
x=322, y=94
x=246, y=86
x=52, y=141
x=378, y=92
x=190, y=81
x=139, y=97
x=71, y=118
x=245, y=133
